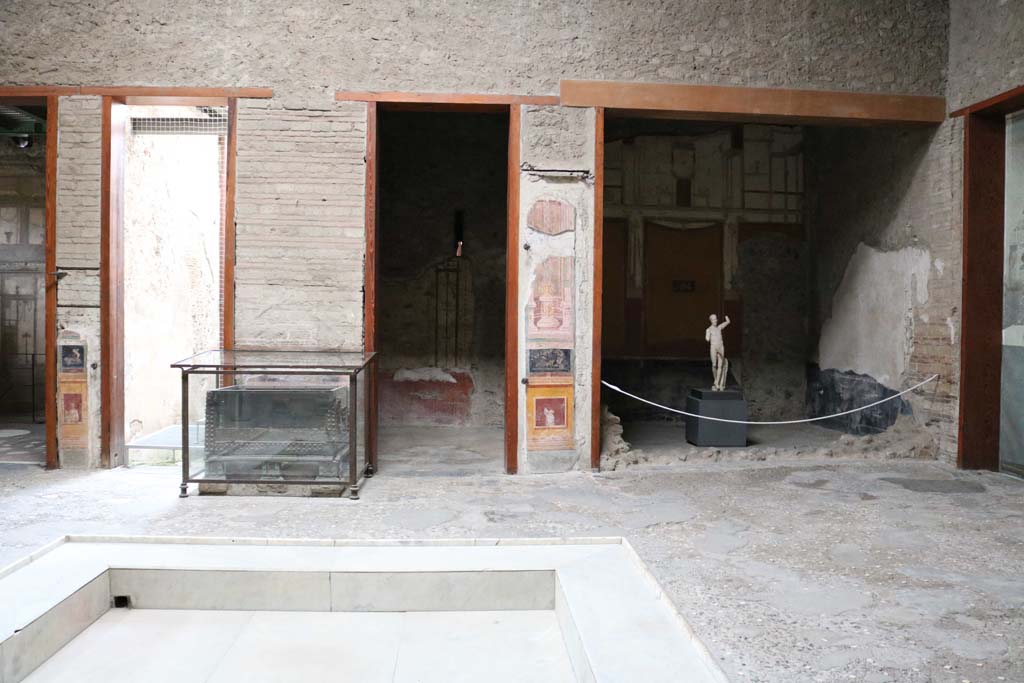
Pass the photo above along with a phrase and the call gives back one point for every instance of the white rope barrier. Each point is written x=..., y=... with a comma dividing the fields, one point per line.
x=769, y=422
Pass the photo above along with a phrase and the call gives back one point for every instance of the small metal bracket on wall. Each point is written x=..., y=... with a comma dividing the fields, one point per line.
x=584, y=174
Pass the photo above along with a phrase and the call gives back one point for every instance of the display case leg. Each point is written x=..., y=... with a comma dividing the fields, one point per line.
x=183, y=489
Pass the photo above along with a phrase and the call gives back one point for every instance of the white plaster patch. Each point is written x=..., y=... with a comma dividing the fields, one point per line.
x=872, y=324
x=1013, y=335
x=423, y=375
x=952, y=331
x=940, y=265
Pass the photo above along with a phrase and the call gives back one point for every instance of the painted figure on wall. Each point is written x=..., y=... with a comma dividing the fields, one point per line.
x=719, y=363
x=550, y=412
x=72, y=409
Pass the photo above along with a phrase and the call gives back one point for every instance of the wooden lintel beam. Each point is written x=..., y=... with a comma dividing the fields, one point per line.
x=764, y=104
x=134, y=91
x=37, y=90
x=442, y=98
x=999, y=105
x=174, y=91
x=177, y=101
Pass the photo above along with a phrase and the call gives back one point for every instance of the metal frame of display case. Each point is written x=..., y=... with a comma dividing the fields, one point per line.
x=189, y=366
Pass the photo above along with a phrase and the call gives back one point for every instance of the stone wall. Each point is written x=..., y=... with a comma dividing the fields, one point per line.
x=986, y=50
x=300, y=167
x=316, y=47
x=78, y=246
x=887, y=207
x=300, y=217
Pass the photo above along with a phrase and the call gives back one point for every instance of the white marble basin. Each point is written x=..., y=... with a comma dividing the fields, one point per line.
x=265, y=609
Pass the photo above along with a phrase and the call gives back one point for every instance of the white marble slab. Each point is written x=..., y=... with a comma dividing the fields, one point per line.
x=218, y=589
x=146, y=645
x=442, y=591
x=181, y=646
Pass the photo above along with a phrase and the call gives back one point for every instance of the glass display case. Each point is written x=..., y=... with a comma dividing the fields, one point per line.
x=276, y=417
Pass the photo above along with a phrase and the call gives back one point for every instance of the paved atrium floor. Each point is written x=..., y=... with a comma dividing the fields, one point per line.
x=789, y=570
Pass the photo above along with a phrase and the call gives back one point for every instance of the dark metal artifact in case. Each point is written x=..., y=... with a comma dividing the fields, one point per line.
x=298, y=433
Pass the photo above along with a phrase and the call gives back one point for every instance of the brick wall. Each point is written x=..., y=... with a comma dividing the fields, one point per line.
x=78, y=246
x=891, y=189
x=300, y=221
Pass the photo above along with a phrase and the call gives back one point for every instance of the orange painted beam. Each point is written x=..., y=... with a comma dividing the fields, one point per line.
x=767, y=104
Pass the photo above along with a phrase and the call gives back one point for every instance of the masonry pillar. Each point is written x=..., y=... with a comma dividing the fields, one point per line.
x=78, y=293
x=556, y=232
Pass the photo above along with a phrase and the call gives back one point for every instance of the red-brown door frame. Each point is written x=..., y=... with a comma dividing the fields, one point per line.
x=50, y=390
x=112, y=448
x=595, y=391
x=981, y=312
x=371, y=275
x=371, y=278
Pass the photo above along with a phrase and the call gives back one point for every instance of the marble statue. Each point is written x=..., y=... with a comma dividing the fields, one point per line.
x=719, y=363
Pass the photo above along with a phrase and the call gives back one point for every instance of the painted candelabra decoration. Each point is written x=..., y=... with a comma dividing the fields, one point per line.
x=549, y=313
x=719, y=363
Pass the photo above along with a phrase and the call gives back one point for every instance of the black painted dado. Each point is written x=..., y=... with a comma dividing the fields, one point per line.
x=834, y=391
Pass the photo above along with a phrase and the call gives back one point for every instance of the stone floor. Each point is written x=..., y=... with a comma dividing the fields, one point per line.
x=799, y=569
x=22, y=442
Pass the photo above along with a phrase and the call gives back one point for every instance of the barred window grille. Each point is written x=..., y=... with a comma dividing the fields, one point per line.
x=206, y=121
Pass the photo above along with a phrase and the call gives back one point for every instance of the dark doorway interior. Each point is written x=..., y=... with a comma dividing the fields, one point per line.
x=441, y=297
x=22, y=282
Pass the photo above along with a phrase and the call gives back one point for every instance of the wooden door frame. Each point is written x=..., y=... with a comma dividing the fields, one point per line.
x=112, y=256
x=371, y=275
x=981, y=309
x=112, y=284
x=50, y=390
x=598, y=312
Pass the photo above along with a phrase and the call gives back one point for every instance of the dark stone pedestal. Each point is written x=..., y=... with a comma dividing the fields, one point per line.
x=728, y=405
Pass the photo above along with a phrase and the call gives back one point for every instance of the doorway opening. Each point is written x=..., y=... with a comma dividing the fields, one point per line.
x=173, y=225
x=707, y=218
x=23, y=266
x=442, y=221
